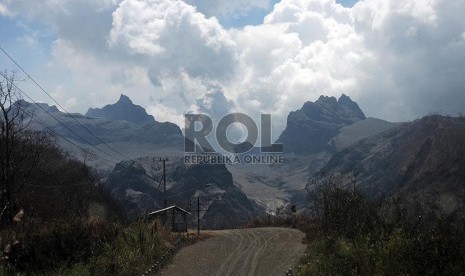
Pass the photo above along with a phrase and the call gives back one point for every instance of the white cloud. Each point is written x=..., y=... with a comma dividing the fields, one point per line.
x=4, y=10
x=174, y=36
x=398, y=59
x=417, y=49
x=304, y=49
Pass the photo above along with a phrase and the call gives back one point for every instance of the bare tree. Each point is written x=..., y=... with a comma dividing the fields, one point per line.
x=19, y=148
x=87, y=156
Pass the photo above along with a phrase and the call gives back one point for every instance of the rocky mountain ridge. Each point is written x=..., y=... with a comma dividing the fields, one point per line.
x=132, y=139
x=310, y=129
x=329, y=135
x=124, y=109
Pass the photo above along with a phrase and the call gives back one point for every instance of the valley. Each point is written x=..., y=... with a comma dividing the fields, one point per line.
x=335, y=130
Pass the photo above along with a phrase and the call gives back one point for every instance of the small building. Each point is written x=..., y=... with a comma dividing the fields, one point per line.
x=174, y=215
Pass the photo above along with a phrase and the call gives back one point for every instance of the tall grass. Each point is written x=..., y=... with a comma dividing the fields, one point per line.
x=83, y=247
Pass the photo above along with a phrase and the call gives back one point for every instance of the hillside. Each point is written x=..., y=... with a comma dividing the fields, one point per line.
x=135, y=185
x=357, y=131
x=388, y=158
x=423, y=157
x=131, y=139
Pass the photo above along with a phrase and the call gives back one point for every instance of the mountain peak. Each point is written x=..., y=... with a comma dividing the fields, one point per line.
x=123, y=109
x=123, y=99
x=343, y=99
x=310, y=128
x=326, y=99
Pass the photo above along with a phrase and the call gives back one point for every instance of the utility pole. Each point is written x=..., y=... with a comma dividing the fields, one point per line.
x=164, y=182
x=163, y=160
x=198, y=216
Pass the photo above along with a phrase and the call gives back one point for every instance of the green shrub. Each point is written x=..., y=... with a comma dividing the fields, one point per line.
x=92, y=247
x=352, y=235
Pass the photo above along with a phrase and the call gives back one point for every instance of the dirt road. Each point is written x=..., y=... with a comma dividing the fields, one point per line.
x=260, y=251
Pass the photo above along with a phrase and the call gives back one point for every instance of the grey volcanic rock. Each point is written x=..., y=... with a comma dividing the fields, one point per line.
x=424, y=157
x=134, y=185
x=132, y=139
x=310, y=128
x=226, y=205
x=124, y=109
x=133, y=190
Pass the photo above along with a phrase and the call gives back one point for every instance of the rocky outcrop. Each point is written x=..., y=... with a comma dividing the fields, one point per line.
x=310, y=128
x=123, y=109
x=133, y=189
x=135, y=186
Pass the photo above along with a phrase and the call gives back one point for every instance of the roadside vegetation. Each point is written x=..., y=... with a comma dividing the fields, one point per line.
x=351, y=234
x=54, y=217
x=348, y=233
x=83, y=247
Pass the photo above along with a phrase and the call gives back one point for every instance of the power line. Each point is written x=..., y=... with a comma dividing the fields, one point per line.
x=64, y=137
x=43, y=90
x=65, y=126
x=58, y=134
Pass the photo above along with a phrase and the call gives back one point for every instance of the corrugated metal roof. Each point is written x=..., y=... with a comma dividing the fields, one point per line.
x=168, y=208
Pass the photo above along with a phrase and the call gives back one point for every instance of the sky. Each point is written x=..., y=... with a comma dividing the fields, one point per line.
x=399, y=59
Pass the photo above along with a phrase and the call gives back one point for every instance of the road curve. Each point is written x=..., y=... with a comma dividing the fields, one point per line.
x=257, y=251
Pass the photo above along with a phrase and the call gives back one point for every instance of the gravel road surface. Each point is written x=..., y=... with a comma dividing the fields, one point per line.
x=258, y=251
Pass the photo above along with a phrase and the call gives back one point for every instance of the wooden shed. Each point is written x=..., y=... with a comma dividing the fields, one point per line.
x=174, y=215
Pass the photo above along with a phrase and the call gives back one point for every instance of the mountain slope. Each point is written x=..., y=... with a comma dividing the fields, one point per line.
x=123, y=109
x=132, y=139
x=357, y=131
x=135, y=185
x=310, y=128
x=421, y=157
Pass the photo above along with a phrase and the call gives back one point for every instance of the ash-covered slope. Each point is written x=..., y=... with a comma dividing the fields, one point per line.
x=135, y=186
x=310, y=128
x=425, y=157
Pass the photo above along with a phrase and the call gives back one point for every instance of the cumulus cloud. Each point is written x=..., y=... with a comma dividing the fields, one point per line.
x=85, y=23
x=304, y=49
x=398, y=59
x=419, y=51
x=175, y=37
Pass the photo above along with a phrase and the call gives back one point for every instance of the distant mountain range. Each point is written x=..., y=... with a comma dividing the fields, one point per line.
x=134, y=184
x=326, y=136
x=140, y=135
